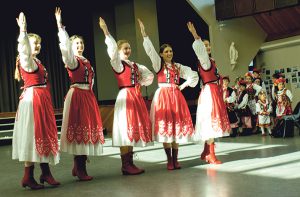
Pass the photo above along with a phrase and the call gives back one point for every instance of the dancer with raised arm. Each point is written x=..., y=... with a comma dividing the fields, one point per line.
x=131, y=127
x=171, y=119
x=81, y=132
x=212, y=119
x=35, y=133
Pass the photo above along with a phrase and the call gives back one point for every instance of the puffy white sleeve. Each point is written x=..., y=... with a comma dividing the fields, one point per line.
x=270, y=109
x=231, y=98
x=66, y=49
x=244, y=102
x=146, y=75
x=153, y=55
x=26, y=60
x=112, y=50
x=258, y=109
x=289, y=94
x=189, y=75
x=257, y=88
x=201, y=54
x=273, y=93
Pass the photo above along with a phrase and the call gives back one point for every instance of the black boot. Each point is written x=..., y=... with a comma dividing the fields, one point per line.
x=234, y=132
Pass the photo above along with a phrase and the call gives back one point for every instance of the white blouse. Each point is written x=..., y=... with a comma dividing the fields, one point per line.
x=115, y=60
x=244, y=102
x=201, y=53
x=231, y=98
x=257, y=88
x=66, y=49
x=259, y=110
x=288, y=93
x=25, y=54
x=186, y=72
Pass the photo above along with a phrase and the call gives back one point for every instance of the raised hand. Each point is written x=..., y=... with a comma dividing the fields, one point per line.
x=58, y=17
x=192, y=29
x=142, y=27
x=103, y=26
x=21, y=20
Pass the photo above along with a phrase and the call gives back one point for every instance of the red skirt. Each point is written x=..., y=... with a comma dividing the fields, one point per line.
x=85, y=124
x=138, y=121
x=219, y=114
x=172, y=117
x=44, y=122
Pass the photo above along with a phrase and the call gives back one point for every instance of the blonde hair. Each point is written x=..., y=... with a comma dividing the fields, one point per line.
x=120, y=43
x=261, y=93
x=17, y=69
x=72, y=38
x=37, y=37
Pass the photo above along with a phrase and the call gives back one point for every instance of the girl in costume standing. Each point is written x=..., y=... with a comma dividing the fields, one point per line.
x=81, y=132
x=35, y=132
x=131, y=127
x=170, y=115
x=263, y=110
x=212, y=119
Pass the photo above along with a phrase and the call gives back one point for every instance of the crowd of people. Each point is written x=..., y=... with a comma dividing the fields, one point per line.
x=251, y=109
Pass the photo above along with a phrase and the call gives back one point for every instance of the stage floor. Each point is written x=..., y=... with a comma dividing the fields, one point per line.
x=253, y=166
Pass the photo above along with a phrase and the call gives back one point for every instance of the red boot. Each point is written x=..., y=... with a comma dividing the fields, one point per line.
x=128, y=169
x=205, y=151
x=211, y=158
x=47, y=176
x=132, y=164
x=175, y=159
x=28, y=179
x=170, y=165
x=79, y=168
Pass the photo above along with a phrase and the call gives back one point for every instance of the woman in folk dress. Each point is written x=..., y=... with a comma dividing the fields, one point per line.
x=131, y=127
x=81, y=132
x=212, y=119
x=35, y=133
x=170, y=115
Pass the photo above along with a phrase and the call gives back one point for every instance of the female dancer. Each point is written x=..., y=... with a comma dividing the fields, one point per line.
x=35, y=132
x=212, y=119
x=170, y=115
x=81, y=132
x=131, y=125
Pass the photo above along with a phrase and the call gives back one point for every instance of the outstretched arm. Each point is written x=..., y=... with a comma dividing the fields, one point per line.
x=112, y=48
x=65, y=44
x=24, y=48
x=199, y=47
x=142, y=27
x=193, y=31
x=103, y=26
x=149, y=48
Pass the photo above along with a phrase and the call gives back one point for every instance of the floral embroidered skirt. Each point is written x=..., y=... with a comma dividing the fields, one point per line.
x=82, y=132
x=131, y=125
x=35, y=133
x=212, y=119
x=170, y=116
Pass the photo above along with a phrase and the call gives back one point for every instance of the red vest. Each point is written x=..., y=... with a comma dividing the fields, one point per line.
x=228, y=93
x=83, y=74
x=129, y=77
x=38, y=77
x=210, y=75
x=250, y=91
x=168, y=75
